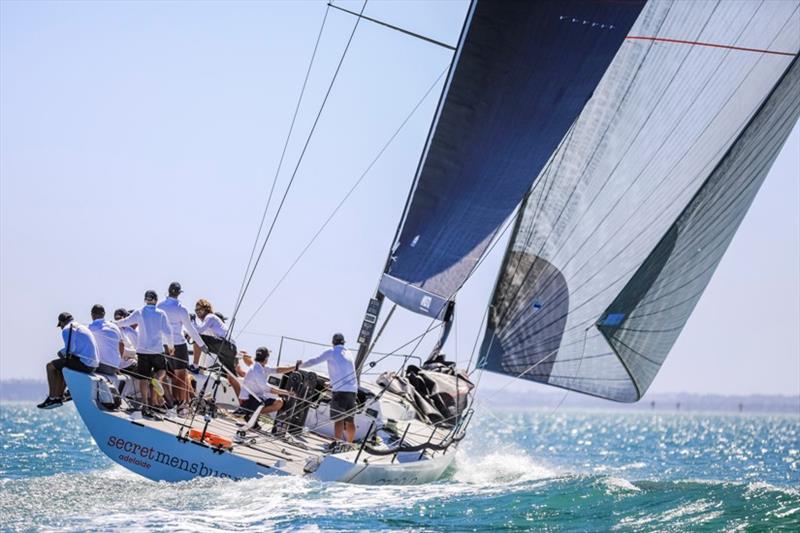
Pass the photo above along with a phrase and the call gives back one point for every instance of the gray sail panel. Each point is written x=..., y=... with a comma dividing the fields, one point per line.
x=523, y=74
x=649, y=314
x=600, y=224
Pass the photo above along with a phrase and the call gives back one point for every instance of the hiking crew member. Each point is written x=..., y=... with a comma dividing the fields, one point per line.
x=108, y=339
x=214, y=333
x=79, y=353
x=256, y=382
x=179, y=320
x=344, y=384
x=154, y=334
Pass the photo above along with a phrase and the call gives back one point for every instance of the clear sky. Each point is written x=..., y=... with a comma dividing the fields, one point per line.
x=138, y=141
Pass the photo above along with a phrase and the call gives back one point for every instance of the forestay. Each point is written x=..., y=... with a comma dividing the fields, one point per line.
x=523, y=72
x=620, y=236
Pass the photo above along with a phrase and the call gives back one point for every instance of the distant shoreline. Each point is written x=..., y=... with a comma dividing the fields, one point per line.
x=656, y=402
x=26, y=390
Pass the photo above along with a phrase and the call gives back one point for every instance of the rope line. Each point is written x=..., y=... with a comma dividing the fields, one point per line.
x=344, y=199
x=283, y=152
x=296, y=168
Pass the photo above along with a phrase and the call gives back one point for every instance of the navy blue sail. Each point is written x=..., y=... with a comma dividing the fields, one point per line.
x=523, y=73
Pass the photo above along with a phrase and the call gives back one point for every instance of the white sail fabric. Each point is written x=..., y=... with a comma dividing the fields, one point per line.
x=625, y=226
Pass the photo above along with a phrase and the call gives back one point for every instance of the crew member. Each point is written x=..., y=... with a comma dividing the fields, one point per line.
x=243, y=363
x=215, y=334
x=210, y=327
x=257, y=388
x=344, y=385
x=130, y=337
x=179, y=320
x=79, y=353
x=155, y=338
x=108, y=338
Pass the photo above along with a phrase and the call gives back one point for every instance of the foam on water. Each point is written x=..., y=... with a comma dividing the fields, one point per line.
x=499, y=467
x=640, y=473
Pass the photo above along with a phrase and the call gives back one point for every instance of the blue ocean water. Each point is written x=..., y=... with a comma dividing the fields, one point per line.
x=568, y=471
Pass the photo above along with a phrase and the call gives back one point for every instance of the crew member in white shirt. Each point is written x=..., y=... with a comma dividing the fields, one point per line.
x=179, y=320
x=129, y=338
x=344, y=386
x=155, y=338
x=108, y=338
x=210, y=327
x=79, y=353
x=257, y=389
x=214, y=333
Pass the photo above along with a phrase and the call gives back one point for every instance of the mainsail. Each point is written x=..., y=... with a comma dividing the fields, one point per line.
x=523, y=72
x=624, y=228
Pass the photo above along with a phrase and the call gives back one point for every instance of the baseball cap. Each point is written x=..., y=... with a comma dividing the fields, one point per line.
x=64, y=318
x=151, y=295
x=262, y=353
x=174, y=288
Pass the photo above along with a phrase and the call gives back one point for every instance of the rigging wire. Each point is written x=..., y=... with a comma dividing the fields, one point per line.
x=344, y=199
x=294, y=172
x=249, y=277
x=283, y=152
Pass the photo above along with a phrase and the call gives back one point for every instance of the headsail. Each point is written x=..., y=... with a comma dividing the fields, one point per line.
x=523, y=73
x=616, y=243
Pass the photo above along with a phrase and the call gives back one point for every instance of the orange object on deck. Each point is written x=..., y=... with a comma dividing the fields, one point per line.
x=211, y=438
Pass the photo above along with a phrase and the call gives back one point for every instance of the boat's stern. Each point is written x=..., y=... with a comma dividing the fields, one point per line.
x=153, y=449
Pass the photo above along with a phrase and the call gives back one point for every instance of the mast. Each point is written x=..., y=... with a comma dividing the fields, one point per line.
x=376, y=302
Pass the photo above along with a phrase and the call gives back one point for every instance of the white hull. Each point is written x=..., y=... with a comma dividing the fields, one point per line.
x=154, y=450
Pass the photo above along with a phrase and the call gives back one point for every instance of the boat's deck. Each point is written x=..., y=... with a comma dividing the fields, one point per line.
x=289, y=453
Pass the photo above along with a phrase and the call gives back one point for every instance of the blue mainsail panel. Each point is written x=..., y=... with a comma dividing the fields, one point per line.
x=524, y=73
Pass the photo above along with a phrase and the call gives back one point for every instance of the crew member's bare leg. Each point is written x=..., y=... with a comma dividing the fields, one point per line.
x=276, y=406
x=179, y=385
x=196, y=354
x=144, y=388
x=237, y=388
x=55, y=380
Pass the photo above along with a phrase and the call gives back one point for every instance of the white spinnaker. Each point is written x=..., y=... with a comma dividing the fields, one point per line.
x=661, y=121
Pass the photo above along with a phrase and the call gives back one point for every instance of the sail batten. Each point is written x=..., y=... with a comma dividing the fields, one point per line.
x=523, y=74
x=652, y=183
